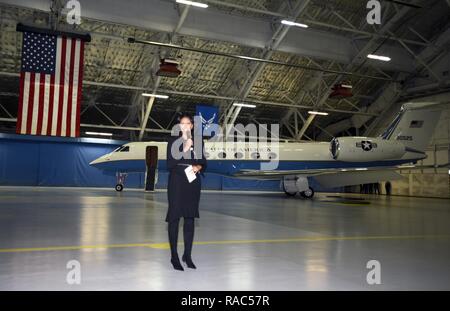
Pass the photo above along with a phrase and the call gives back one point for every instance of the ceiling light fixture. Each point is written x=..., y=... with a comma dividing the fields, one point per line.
x=244, y=105
x=291, y=23
x=193, y=3
x=98, y=134
x=155, y=95
x=379, y=57
x=318, y=112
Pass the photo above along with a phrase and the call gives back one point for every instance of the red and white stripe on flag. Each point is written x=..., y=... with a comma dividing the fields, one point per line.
x=49, y=104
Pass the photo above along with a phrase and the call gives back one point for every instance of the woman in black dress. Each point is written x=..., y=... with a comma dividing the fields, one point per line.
x=183, y=196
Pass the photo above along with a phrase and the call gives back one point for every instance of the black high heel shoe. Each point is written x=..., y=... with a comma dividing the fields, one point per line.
x=188, y=262
x=176, y=264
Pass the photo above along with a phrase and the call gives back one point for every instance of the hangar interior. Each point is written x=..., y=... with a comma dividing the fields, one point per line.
x=54, y=207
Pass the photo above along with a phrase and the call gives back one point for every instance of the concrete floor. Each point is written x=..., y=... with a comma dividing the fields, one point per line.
x=244, y=241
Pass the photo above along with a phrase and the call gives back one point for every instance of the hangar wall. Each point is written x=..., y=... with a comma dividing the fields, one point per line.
x=433, y=185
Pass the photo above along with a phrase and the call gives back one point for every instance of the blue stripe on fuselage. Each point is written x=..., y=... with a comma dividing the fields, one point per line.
x=229, y=167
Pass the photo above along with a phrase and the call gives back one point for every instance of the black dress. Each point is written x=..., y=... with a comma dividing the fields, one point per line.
x=183, y=196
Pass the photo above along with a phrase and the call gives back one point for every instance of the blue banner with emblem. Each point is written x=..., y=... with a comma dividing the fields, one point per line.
x=209, y=115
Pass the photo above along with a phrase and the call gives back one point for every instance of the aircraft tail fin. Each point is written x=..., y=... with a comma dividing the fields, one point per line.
x=414, y=125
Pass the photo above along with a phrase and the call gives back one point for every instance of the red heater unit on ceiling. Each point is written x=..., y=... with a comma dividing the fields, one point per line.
x=168, y=68
x=341, y=90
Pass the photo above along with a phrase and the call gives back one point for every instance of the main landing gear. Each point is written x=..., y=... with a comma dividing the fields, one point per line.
x=296, y=185
x=308, y=193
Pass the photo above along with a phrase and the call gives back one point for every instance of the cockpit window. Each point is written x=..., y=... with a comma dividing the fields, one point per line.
x=122, y=149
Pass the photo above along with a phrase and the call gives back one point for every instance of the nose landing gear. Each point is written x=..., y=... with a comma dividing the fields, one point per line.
x=120, y=177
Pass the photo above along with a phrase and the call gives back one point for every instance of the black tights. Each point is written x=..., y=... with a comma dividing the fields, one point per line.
x=188, y=233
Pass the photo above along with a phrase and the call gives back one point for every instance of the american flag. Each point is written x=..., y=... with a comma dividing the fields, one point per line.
x=50, y=85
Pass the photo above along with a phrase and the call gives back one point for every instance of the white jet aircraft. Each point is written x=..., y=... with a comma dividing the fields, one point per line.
x=343, y=161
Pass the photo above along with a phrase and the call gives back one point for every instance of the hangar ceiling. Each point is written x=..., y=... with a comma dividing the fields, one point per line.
x=338, y=39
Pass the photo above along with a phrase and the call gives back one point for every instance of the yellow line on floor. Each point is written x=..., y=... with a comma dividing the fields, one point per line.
x=68, y=248
x=166, y=245
x=309, y=239
x=347, y=203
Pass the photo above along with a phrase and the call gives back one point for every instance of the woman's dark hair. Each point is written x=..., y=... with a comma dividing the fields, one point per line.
x=177, y=127
x=185, y=115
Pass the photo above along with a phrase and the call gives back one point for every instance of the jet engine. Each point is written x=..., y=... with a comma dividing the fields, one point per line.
x=363, y=149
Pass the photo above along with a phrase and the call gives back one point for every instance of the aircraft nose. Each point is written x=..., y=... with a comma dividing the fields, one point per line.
x=96, y=161
x=93, y=162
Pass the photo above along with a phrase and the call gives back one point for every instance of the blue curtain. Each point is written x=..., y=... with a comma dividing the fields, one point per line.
x=45, y=161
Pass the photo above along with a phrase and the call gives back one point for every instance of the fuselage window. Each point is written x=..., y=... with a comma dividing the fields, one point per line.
x=255, y=155
x=222, y=155
x=272, y=155
x=238, y=155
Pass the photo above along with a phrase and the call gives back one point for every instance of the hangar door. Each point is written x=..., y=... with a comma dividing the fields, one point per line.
x=151, y=162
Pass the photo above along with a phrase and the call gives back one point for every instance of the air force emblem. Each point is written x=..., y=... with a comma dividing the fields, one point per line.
x=208, y=116
x=366, y=145
x=207, y=123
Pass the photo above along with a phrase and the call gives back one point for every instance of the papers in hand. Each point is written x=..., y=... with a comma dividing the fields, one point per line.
x=190, y=173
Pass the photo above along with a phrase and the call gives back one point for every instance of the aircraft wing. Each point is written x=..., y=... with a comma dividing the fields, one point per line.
x=279, y=174
x=335, y=177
